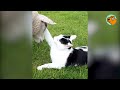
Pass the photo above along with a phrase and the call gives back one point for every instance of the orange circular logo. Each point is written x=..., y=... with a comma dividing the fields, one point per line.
x=111, y=19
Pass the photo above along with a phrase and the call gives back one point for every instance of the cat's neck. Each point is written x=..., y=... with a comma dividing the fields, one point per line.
x=61, y=50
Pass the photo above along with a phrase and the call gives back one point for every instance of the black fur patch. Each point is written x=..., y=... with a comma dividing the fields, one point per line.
x=64, y=41
x=66, y=36
x=69, y=48
x=77, y=57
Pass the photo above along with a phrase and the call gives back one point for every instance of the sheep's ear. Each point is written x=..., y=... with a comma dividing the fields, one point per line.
x=72, y=37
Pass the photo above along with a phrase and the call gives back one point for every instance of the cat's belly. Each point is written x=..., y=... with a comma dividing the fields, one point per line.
x=58, y=57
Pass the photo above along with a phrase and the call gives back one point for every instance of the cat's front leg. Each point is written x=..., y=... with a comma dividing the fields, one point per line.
x=50, y=65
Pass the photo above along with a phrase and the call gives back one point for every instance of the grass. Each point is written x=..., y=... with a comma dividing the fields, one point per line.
x=68, y=23
x=106, y=34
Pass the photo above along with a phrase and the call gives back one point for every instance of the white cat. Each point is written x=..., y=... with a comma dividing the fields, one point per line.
x=61, y=52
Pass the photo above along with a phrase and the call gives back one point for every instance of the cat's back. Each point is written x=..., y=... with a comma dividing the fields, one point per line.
x=77, y=57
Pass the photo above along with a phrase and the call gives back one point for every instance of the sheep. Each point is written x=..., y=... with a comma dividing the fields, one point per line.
x=39, y=24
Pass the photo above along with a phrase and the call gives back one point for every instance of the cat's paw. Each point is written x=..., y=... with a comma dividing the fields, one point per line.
x=59, y=68
x=39, y=68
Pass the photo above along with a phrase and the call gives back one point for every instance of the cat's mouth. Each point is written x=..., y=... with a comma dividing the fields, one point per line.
x=69, y=45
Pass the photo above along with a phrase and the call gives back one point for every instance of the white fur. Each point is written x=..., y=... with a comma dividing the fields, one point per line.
x=42, y=18
x=84, y=49
x=59, y=54
x=48, y=37
x=39, y=25
x=46, y=19
x=73, y=37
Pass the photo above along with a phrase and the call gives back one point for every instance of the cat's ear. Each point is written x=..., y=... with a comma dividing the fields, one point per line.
x=72, y=37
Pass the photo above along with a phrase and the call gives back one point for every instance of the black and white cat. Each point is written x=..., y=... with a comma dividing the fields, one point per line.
x=62, y=54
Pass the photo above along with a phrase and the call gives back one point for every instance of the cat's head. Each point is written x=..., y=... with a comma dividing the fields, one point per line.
x=64, y=41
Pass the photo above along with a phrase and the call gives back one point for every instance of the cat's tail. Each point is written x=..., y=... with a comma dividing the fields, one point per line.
x=48, y=37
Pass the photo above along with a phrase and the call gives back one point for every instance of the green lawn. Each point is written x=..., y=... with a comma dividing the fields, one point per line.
x=106, y=34
x=68, y=23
